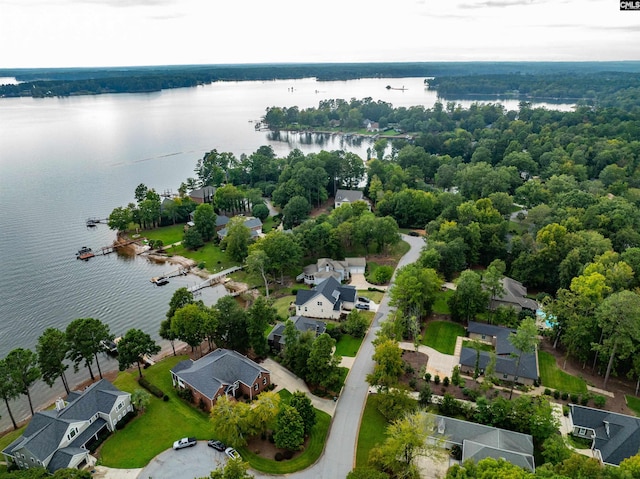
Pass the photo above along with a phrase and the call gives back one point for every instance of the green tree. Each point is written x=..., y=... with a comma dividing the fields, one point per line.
x=295, y=212
x=52, y=349
x=140, y=399
x=85, y=338
x=322, y=363
x=236, y=242
x=619, y=319
x=192, y=239
x=231, y=329
x=232, y=469
x=204, y=219
x=168, y=334
x=264, y=411
x=289, y=429
x=261, y=315
x=257, y=262
x=301, y=402
x=188, y=324
x=181, y=297
x=525, y=341
x=406, y=440
x=23, y=367
x=133, y=347
x=469, y=298
x=415, y=289
x=260, y=211
x=231, y=421
x=8, y=389
x=282, y=250
x=389, y=364
x=356, y=324
x=120, y=218
x=492, y=281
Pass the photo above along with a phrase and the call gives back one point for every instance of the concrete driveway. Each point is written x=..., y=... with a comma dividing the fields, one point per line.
x=191, y=462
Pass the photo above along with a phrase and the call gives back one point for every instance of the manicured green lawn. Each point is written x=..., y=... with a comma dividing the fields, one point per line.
x=348, y=346
x=162, y=423
x=441, y=306
x=375, y=296
x=555, y=378
x=634, y=403
x=483, y=346
x=167, y=234
x=211, y=255
x=9, y=437
x=372, y=430
x=442, y=335
x=268, y=224
x=282, y=305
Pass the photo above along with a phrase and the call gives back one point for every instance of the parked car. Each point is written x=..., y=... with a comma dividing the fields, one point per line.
x=232, y=453
x=363, y=299
x=363, y=306
x=217, y=445
x=413, y=233
x=185, y=442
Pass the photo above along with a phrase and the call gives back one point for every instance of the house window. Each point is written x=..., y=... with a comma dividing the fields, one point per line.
x=319, y=303
x=264, y=380
x=255, y=386
x=505, y=376
x=119, y=406
x=582, y=432
x=33, y=460
x=484, y=336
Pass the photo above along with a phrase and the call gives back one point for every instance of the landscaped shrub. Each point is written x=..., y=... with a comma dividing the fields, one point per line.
x=455, y=376
x=381, y=275
x=272, y=440
x=413, y=383
x=288, y=454
x=427, y=377
x=556, y=394
x=408, y=368
x=472, y=394
x=165, y=398
x=564, y=396
x=185, y=394
x=123, y=422
x=547, y=392
x=574, y=398
x=279, y=456
x=584, y=399
x=294, y=291
x=152, y=388
x=436, y=379
x=599, y=401
x=565, y=410
x=445, y=381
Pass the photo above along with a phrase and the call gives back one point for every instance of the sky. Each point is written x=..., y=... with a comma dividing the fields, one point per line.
x=81, y=33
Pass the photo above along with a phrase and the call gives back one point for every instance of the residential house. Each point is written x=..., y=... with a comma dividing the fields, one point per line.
x=203, y=195
x=222, y=371
x=61, y=438
x=326, y=267
x=615, y=437
x=514, y=296
x=302, y=324
x=254, y=225
x=344, y=197
x=327, y=300
x=478, y=441
x=371, y=125
x=506, y=355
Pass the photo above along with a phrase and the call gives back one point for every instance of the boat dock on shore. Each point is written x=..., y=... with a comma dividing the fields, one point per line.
x=164, y=279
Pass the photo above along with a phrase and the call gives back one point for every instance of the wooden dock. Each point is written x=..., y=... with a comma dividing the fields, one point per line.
x=93, y=222
x=214, y=279
x=172, y=274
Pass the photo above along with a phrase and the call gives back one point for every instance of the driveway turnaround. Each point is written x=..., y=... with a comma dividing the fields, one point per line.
x=191, y=462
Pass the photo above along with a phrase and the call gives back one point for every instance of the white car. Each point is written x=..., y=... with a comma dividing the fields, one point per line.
x=185, y=442
x=232, y=453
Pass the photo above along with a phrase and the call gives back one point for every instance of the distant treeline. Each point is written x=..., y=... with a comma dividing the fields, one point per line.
x=91, y=81
x=574, y=86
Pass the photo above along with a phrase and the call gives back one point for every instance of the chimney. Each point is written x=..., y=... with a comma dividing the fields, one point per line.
x=60, y=404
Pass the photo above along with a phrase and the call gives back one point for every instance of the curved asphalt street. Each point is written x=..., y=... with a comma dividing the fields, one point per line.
x=339, y=453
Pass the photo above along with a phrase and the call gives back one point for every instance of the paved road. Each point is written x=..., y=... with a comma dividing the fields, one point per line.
x=339, y=455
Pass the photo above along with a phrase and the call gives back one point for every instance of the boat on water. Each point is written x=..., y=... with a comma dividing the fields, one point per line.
x=160, y=281
x=110, y=347
x=84, y=253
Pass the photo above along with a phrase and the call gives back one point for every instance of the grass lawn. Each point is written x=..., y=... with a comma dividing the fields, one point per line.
x=482, y=346
x=634, y=403
x=282, y=305
x=167, y=234
x=441, y=306
x=555, y=378
x=10, y=436
x=442, y=335
x=162, y=423
x=268, y=224
x=372, y=430
x=213, y=258
x=348, y=346
x=375, y=296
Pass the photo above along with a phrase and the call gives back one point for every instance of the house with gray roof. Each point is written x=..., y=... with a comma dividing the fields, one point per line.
x=514, y=296
x=203, y=195
x=324, y=268
x=222, y=371
x=615, y=437
x=478, y=441
x=506, y=354
x=254, y=225
x=344, y=197
x=60, y=438
x=302, y=324
x=327, y=300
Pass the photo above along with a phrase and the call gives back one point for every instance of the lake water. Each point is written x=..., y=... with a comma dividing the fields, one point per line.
x=63, y=160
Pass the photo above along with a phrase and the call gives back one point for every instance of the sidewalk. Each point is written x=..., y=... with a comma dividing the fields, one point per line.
x=439, y=363
x=285, y=379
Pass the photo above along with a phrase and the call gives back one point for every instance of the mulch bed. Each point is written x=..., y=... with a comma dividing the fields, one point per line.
x=264, y=448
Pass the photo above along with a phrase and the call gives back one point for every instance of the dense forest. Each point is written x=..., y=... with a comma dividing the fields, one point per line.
x=90, y=81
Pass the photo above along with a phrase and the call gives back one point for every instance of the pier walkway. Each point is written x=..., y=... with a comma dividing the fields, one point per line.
x=214, y=279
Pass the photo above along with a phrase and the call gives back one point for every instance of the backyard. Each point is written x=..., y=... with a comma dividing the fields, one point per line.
x=442, y=336
x=555, y=378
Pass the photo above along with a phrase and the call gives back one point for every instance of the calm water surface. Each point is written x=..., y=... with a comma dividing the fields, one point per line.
x=63, y=160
